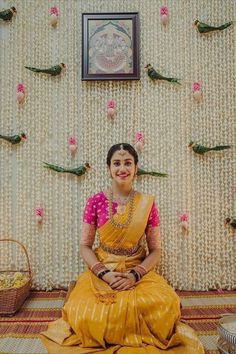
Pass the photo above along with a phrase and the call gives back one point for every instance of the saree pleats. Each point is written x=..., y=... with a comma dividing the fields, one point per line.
x=144, y=320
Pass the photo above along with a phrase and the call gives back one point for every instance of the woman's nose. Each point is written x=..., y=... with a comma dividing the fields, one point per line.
x=122, y=168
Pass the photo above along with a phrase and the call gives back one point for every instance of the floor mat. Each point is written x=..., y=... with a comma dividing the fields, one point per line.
x=18, y=334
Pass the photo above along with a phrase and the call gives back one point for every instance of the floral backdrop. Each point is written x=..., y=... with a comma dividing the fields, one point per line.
x=56, y=108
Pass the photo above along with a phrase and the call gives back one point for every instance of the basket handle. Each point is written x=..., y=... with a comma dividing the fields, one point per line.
x=25, y=252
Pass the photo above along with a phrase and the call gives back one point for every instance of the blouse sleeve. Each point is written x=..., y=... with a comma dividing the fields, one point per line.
x=153, y=219
x=89, y=224
x=152, y=230
x=90, y=212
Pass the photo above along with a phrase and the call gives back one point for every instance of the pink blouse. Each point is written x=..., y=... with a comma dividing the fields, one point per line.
x=96, y=214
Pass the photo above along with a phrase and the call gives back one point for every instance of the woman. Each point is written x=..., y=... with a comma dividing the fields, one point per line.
x=120, y=304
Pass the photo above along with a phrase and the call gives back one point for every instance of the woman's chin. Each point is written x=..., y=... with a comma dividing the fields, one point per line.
x=123, y=181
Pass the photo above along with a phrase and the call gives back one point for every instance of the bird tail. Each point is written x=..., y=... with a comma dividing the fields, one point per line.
x=158, y=174
x=222, y=147
x=53, y=167
x=174, y=80
x=33, y=69
x=155, y=174
x=222, y=27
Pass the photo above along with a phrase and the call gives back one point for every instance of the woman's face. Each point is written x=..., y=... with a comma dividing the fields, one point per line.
x=122, y=168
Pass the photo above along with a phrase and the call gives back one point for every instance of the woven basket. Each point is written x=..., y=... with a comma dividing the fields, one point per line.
x=11, y=299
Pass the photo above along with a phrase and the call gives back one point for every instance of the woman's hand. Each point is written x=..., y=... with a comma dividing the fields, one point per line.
x=112, y=277
x=126, y=282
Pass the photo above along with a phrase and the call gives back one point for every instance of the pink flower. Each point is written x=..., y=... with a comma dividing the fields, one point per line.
x=39, y=212
x=111, y=104
x=139, y=137
x=54, y=11
x=72, y=140
x=196, y=86
x=164, y=10
x=20, y=88
x=234, y=189
x=183, y=217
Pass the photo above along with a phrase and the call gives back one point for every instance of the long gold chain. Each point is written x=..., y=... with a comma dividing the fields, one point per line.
x=130, y=214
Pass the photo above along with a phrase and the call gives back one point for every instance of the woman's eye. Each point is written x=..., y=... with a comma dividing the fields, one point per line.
x=116, y=163
x=128, y=164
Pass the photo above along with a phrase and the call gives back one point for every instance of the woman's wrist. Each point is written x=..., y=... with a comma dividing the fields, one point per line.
x=138, y=272
x=141, y=270
x=104, y=272
x=98, y=268
x=135, y=274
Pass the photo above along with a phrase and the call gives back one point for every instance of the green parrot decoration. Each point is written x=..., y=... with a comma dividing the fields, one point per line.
x=201, y=149
x=6, y=15
x=14, y=139
x=54, y=70
x=231, y=222
x=141, y=172
x=155, y=75
x=78, y=171
x=205, y=28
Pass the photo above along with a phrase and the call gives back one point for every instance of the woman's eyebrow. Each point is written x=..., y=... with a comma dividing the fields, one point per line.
x=120, y=160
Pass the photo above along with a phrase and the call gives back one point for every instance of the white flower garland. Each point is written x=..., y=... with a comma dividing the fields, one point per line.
x=56, y=108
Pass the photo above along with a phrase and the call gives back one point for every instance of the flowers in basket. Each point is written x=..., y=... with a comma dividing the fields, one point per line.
x=15, y=280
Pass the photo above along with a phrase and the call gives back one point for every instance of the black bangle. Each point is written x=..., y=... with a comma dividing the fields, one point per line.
x=136, y=275
x=101, y=274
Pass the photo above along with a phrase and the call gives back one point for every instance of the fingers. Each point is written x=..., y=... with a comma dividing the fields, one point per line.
x=123, y=275
x=124, y=286
x=127, y=287
x=118, y=282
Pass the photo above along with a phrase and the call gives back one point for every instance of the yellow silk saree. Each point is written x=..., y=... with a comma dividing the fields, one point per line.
x=144, y=320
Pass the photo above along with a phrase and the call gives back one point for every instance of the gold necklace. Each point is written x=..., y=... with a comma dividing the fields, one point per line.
x=130, y=214
x=122, y=202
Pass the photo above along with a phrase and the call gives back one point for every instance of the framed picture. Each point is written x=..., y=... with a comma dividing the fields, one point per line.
x=110, y=46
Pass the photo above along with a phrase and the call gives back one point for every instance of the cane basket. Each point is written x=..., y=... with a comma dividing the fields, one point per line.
x=11, y=299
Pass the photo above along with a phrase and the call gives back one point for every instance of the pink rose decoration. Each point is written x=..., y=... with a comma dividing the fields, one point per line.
x=164, y=15
x=73, y=144
x=139, y=142
x=39, y=213
x=54, y=11
x=72, y=140
x=197, y=93
x=184, y=221
x=196, y=86
x=20, y=89
x=164, y=10
x=53, y=15
x=139, y=136
x=111, y=108
x=111, y=104
x=183, y=217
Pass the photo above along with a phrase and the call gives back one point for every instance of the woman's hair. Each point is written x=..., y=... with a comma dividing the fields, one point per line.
x=118, y=147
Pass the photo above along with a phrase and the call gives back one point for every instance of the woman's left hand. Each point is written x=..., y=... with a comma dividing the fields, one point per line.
x=126, y=283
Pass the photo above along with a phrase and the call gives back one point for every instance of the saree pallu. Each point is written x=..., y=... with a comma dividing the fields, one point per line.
x=144, y=320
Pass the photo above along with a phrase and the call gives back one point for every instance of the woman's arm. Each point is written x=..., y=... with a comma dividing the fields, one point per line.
x=88, y=255
x=149, y=263
x=154, y=246
x=86, y=243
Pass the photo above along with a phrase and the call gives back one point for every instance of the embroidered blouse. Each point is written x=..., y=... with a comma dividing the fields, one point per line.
x=96, y=214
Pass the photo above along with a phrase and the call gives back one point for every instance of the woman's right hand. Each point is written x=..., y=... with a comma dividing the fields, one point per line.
x=112, y=277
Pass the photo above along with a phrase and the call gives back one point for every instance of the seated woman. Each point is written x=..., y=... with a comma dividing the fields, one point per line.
x=120, y=304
